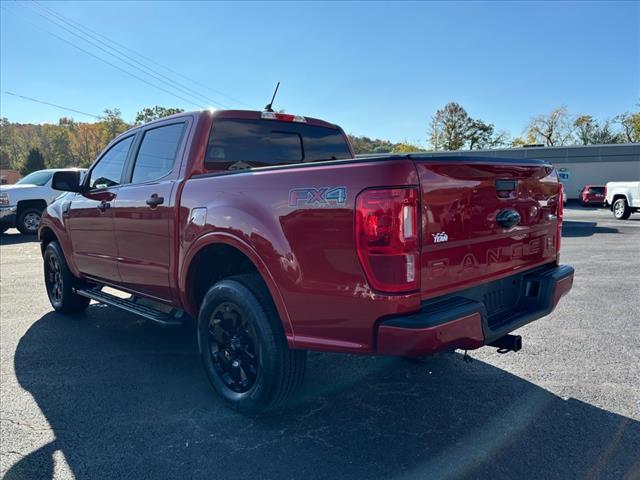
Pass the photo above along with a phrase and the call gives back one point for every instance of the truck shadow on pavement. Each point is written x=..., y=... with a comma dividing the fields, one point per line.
x=126, y=399
x=16, y=238
x=572, y=229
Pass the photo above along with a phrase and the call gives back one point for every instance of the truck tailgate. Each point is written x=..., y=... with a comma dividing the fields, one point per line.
x=484, y=219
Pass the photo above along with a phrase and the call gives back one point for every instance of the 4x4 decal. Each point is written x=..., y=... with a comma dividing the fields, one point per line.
x=318, y=197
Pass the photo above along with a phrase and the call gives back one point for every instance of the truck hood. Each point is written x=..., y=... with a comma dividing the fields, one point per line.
x=9, y=188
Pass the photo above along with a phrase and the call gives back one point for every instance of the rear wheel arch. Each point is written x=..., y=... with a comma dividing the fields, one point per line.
x=218, y=257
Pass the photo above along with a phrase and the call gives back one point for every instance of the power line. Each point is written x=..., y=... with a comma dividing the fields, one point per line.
x=52, y=104
x=3, y=6
x=84, y=29
x=154, y=74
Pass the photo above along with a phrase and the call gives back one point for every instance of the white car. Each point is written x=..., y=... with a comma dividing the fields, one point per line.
x=22, y=204
x=623, y=198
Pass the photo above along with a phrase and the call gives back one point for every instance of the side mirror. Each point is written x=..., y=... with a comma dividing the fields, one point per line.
x=67, y=181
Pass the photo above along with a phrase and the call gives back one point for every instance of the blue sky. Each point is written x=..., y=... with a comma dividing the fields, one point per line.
x=378, y=69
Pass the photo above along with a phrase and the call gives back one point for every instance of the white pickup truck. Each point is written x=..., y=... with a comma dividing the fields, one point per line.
x=21, y=205
x=623, y=198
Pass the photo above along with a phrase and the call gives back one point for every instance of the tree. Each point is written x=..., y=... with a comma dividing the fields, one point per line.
x=584, y=125
x=479, y=135
x=452, y=129
x=112, y=124
x=148, y=114
x=406, y=147
x=501, y=139
x=590, y=132
x=363, y=145
x=518, y=142
x=85, y=144
x=553, y=129
x=449, y=127
x=34, y=162
x=630, y=123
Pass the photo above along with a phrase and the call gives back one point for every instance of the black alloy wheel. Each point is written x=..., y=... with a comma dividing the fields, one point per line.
x=60, y=282
x=243, y=346
x=53, y=279
x=233, y=347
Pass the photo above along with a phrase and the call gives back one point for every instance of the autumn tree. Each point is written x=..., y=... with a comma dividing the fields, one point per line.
x=591, y=132
x=364, y=145
x=13, y=144
x=406, y=147
x=112, y=124
x=55, y=145
x=148, y=114
x=553, y=129
x=630, y=124
x=585, y=127
x=86, y=144
x=518, y=142
x=34, y=162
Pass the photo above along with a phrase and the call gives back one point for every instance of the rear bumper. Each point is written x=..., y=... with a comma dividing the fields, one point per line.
x=477, y=316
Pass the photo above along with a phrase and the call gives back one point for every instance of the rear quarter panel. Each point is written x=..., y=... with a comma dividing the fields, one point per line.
x=305, y=252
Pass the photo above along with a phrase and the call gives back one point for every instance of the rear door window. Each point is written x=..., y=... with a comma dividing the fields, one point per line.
x=157, y=153
x=236, y=144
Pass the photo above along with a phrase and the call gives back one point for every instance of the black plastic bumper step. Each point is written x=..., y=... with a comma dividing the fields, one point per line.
x=171, y=319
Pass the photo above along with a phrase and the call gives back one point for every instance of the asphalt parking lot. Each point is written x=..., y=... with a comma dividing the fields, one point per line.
x=107, y=395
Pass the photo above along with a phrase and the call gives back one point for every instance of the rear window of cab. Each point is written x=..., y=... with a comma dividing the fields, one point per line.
x=236, y=144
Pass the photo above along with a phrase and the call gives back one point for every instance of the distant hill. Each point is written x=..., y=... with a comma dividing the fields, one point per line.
x=363, y=144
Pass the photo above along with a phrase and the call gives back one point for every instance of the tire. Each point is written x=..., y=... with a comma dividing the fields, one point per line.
x=243, y=346
x=29, y=220
x=60, y=282
x=621, y=209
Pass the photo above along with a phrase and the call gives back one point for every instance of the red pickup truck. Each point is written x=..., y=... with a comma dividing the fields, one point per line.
x=265, y=229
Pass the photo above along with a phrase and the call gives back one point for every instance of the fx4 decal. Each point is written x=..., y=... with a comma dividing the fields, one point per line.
x=318, y=197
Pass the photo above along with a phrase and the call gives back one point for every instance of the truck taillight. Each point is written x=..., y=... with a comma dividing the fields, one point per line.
x=388, y=238
x=560, y=214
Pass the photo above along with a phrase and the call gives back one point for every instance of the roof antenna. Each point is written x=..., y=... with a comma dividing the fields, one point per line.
x=268, y=107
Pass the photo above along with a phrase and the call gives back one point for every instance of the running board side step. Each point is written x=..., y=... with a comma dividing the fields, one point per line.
x=171, y=319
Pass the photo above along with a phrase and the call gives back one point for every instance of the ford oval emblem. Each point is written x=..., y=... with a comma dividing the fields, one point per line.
x=508, y=218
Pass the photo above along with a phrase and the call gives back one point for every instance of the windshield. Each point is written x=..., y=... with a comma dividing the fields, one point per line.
x=36, y=178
